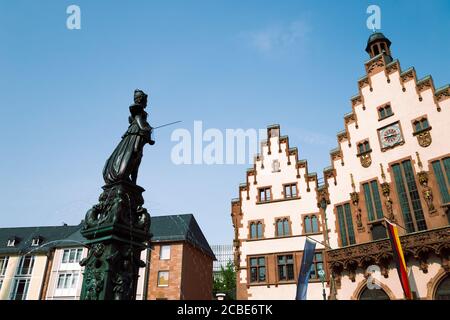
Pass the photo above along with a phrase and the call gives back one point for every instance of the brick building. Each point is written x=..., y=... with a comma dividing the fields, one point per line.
x=181, y=260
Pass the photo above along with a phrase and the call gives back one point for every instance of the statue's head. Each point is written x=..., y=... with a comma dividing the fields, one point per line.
x=140, y=98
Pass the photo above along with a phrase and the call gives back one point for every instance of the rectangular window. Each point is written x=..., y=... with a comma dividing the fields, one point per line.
x=79, y=255
x=441, y=170
x=72, y=255
x=384, y=112
x=316, y=265
x=164, y=253
x=409, y=196
x=290, y=191
x=420, y=125
x=163, y=278
x=257, y=269
x=346, y=224
x=3, y=265
x=364, y=147
x=67, y=281
x=26, y=265
x=285, y=267
x=373, y=202
x=20, y=289
x=265, y=194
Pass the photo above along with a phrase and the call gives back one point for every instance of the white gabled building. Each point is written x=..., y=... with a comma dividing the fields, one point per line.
x=392, y=162
x=275, y=211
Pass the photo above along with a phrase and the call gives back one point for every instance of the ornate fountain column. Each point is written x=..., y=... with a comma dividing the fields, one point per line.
x=118, y=227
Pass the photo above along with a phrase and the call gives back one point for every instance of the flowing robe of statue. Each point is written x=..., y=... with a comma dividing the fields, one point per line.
x=123, y=164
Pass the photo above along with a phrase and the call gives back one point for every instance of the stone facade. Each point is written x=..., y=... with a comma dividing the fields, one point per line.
x=392, y=162
x=278, y=202
x=394, y=179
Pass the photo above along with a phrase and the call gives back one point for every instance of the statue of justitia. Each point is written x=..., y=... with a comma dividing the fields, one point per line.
x=118, y=226
x=123, y=164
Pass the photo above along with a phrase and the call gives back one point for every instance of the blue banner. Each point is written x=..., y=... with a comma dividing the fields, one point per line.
x=305, y=269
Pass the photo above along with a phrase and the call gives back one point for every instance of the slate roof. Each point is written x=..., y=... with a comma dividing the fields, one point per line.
x=171, y=228
x=25, y=235
x=181, y=227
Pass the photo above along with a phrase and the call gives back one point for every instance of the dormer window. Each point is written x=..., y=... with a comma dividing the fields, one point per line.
x=36, y=241
x=11, y=242
x=384, y=111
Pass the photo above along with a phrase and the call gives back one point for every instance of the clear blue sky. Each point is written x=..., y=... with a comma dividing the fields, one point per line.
x=232, y=64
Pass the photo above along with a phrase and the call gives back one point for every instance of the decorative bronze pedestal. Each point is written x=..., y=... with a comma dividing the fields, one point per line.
x=118, y=227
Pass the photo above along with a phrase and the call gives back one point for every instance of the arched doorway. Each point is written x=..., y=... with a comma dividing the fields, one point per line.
x=443, y=289
x=374, y=294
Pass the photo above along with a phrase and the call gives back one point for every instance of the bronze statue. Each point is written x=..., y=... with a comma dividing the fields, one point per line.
x=118, y=226
x=123, y=164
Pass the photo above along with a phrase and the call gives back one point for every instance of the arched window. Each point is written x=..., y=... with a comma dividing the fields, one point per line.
x=280, y=230
x=315, y=224
x=308, y=228
x=374, y=294
x=282, y=227
x=443, y=289
x=376, y=50
x=253, y=234
x=286, y=226
x=256, y=230
x=259, y=229
x=311, y=224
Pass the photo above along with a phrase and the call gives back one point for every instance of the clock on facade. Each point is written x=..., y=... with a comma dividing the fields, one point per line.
x=390, y=136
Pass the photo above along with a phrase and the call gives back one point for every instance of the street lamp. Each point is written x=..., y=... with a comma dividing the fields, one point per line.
x=321, y=273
